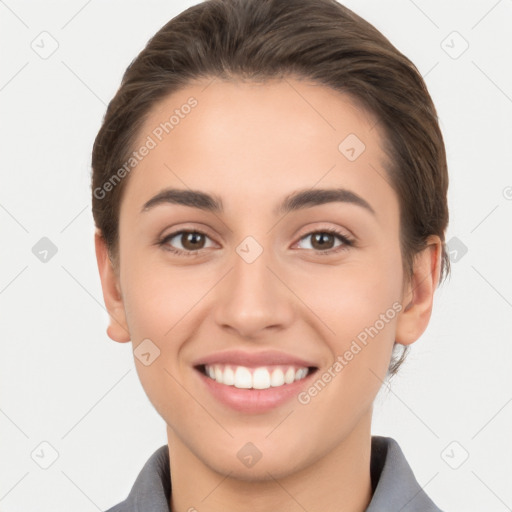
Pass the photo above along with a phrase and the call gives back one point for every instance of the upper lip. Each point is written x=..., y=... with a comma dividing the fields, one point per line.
x=253, y=359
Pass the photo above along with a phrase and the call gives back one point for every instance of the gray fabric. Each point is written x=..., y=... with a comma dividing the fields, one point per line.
x=395, y=488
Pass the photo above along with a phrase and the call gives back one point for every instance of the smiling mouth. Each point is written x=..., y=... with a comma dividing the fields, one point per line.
x=262, y=377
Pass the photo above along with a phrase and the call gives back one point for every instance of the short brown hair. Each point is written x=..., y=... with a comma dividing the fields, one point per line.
x=318, y=40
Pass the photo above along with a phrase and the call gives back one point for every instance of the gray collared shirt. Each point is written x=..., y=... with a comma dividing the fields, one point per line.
x=395, y=488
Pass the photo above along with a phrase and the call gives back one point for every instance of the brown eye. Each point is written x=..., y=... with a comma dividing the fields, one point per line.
x=191, y=242
x=325, y=241
x=322, y=240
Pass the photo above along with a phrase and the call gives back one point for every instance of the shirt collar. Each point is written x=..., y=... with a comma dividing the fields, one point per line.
x=395, y=488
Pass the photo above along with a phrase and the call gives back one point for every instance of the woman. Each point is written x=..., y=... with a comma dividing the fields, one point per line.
x=269, y=191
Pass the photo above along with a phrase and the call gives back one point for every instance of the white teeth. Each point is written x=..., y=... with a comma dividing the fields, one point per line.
x=255, y=378
x=289, y=376
x=261, y=378
x=277, y=378
x=218, y=374
x=243, y=378
x=229, y=376
x=301, y=373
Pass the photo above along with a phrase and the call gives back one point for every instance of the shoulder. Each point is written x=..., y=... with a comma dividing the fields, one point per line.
x=152, y=488
x=395, y=486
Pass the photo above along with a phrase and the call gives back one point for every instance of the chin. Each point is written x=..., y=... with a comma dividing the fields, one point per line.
x=250, y=464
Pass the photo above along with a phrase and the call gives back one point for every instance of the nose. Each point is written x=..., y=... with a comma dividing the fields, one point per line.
x=254, y=298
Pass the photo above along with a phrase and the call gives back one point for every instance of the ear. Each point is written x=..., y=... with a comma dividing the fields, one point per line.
x=117, y=329
x=419, y=293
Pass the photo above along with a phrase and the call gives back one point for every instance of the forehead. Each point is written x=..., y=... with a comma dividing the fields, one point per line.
x=259, y=139
x=303, y=107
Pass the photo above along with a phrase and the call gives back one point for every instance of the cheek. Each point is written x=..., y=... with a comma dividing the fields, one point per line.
x=162, y=305
x=356, y=306
x=157, y=304
x=361, y=315
x=349, y=297
x=157, y=296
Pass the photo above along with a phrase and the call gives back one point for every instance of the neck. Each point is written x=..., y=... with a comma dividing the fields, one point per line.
x=340, y=481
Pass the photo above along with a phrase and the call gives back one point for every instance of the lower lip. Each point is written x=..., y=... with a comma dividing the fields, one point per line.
x=254, y=400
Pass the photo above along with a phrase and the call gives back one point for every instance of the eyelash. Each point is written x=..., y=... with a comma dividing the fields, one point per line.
x=347, y=242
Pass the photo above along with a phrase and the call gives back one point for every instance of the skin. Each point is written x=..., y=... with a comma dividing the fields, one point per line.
x=252, y=144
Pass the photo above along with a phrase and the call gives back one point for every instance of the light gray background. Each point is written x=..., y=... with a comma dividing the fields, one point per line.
x=64, y=382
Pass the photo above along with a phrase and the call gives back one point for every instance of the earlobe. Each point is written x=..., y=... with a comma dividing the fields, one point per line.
x=419, y=296
x=117, y=329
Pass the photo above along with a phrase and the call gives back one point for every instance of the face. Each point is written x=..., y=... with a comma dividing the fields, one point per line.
x=266, y=311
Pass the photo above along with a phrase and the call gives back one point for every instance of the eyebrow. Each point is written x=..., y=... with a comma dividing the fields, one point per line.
x=297, y=200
